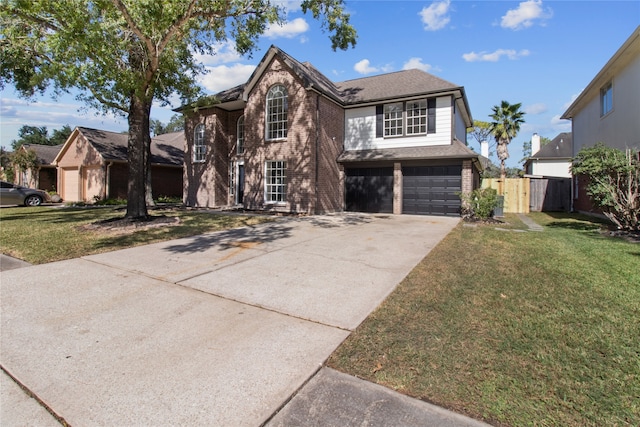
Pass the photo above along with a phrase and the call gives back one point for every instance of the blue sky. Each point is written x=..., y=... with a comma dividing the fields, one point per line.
x=536, y=52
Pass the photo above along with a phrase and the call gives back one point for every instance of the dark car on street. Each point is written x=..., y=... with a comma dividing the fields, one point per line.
x=13, y=194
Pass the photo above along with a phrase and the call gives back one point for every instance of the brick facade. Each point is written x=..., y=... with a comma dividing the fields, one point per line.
x=313, y=181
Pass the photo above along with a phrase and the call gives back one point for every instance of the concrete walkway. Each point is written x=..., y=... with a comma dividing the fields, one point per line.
x=533, y=226
x=219, y=329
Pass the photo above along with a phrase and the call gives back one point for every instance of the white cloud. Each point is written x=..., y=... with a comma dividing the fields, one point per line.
x=525, y=14
x=223, y=77
x=495, y=56
x=536, y=109
x=224, y=52
x=435, y=17
x=416, y=63
x=288, y=30
x=364, y=67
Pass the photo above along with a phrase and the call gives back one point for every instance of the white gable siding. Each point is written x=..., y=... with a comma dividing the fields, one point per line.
x=360, y=129
x=560, y=168
x=621, y=127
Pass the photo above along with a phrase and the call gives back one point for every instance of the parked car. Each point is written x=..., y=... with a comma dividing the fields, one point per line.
x=12, y=194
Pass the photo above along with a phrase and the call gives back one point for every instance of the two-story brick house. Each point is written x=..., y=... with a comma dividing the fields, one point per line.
x=290, y=139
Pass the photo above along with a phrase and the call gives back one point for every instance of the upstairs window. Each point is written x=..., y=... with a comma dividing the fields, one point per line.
x=417, y=117
x=606, y=99
x=276, y=114
x=199, y=147
x=393, y=119
x=240, y=133
x=406, y=118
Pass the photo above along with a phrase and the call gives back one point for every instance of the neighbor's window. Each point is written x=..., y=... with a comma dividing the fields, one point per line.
x=240, y=133
x=606, y=99
x=199, y=147
x=276, y=114
x=393, y=119
x=275, y=181
x=416, y=117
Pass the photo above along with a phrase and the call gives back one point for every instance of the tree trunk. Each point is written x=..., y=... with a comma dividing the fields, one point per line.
x=139, y=154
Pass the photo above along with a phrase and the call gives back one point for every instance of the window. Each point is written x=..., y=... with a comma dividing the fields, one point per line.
x=199, y=147
x=416, y=117
x=411, y=118
x=240, y=133
x=393, y=119
x=275, y=181
x=606, y=99
x=276, y=114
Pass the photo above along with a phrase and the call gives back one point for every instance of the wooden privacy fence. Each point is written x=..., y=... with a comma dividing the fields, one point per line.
x=514, y=190
x=524, y=195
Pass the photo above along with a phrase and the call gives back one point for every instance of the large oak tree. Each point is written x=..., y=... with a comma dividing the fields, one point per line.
x=122, y=55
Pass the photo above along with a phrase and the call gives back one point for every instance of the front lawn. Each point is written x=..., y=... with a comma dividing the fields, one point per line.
x=45, y=234
x=514, y=328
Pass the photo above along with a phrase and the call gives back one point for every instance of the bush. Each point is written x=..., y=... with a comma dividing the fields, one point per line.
x=480, y=203
x=614, y=183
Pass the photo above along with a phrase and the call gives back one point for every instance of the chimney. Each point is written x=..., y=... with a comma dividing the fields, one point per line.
x=535, y=143
x=484, y=149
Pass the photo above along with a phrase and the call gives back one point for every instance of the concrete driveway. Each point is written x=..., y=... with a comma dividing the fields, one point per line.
x=218, y=329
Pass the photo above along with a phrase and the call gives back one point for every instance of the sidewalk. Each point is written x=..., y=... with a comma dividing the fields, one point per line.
x=218, y=329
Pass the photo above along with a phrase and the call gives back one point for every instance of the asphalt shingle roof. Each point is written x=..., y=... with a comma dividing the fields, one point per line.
x=46, y=153
x=560, y=147
x=166, y=149
x=456, y=150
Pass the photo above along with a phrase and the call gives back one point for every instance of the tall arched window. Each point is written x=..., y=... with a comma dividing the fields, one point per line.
x=276, y=114
x=240, y=133
x=199, y=147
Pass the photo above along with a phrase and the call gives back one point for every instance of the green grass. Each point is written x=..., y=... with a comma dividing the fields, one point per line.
x=40, y=235
x=517, y=329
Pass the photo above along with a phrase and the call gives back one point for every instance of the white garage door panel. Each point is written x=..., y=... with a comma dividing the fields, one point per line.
x=70, y=185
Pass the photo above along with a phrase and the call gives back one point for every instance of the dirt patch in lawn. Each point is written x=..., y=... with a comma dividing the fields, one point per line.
x=118, y=226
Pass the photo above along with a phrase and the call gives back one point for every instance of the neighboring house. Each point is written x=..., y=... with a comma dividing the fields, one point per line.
x=292, y=140
x=608, y=110
x=44, y=176
x=92, y=165
x=552, y=160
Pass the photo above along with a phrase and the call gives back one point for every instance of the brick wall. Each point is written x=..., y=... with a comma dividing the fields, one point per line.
x=299, y=149
x=206, y=183
x=467, y=176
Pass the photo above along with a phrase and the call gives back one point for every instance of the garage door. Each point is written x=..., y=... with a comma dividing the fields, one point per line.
x=431, y=190
x=369, y=189
x=70, y=185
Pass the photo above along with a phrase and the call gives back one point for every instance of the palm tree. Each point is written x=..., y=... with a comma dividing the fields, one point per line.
x=507, y=119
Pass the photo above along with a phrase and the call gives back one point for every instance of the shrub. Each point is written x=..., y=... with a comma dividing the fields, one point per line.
x=613, y=183
x=480, y=203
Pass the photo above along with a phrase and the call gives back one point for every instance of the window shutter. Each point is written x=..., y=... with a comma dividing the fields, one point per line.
x=379, y=121
x=431, y=115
